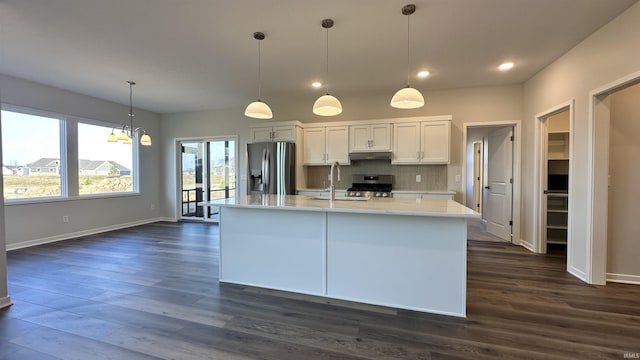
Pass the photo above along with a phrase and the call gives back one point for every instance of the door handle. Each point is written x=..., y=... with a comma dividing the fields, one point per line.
x=487, y=187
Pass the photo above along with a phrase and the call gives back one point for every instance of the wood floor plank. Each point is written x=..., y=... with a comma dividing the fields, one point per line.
x=152, y=291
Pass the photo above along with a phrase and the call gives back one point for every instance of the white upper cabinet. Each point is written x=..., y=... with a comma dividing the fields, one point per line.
x=324, y=145
x=421, y=142
x=273, y=133
x=314, y=149
x=406, y=143
x=375, y=137
x=435, y=142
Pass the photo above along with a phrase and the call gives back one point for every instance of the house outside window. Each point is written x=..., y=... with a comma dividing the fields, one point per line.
x=35, y=157
x=103, y=167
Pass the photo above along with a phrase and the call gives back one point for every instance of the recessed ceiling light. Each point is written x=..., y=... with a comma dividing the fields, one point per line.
x=505, y=66
x=316, y=84
x=423, y=74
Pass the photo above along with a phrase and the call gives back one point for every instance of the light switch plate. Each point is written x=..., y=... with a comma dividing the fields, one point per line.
x=418, y=178
x=457, y=178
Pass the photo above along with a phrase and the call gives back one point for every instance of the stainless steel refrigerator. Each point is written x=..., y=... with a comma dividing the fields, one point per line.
x=271, y=168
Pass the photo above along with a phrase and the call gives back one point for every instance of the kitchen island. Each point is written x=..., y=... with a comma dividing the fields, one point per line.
x=403, y=253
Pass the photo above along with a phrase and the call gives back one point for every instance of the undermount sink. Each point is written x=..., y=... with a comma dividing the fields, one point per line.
x=343, y=198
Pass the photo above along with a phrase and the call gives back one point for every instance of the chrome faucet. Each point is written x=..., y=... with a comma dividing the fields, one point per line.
x=332, y=188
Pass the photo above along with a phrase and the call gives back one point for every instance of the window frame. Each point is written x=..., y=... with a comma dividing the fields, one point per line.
x=69, y=186
x=135, y=153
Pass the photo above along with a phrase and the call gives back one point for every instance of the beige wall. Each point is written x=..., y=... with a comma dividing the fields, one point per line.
x=607, y=55
x=465, y=105
x=623, y=250
x=42, y=221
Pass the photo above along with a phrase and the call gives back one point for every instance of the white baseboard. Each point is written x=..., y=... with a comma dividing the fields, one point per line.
x=577, y=273
x=623, y=278
x=73, y=235
x=5, y=302
x=527, y=245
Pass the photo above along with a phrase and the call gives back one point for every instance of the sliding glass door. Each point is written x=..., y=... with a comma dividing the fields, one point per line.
x=208, y=172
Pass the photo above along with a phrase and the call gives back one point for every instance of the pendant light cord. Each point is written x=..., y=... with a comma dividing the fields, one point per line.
x=259, y=74
x=408, y=47
x=327, y=61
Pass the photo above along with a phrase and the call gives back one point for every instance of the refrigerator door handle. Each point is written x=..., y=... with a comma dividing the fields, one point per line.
x=265, y=171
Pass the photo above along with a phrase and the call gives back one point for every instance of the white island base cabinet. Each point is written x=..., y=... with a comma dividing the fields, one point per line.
x=276, y=249
x=403, y=261
x=406, y=262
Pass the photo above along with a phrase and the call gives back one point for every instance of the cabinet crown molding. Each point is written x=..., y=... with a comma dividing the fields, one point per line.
x=356, y=122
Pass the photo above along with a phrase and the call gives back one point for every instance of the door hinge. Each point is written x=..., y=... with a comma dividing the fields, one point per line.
x=511, y=138
x=182, y=148
x=511, y=181
x=510, y=222
x=478, y=178
x=477, y=205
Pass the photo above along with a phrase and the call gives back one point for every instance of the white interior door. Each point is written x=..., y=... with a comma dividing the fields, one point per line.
x=499, y=183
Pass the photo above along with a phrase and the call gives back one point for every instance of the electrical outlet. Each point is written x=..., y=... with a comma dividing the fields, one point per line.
x=418, y=178
x=65, y=219
x=329, y=176
x=458, y=178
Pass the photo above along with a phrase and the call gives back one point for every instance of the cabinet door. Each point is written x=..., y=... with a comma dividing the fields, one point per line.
x=314, y=150
x=360, y=138
x=406, y=143
x=435, y=142
x=284, y=133
x=261, y=134
x=381, y=137
x=337, y=144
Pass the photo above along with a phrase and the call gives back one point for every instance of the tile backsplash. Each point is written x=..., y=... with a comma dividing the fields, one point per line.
x=434, y=177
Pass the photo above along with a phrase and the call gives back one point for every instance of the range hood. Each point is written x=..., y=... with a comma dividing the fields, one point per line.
x=370, y=155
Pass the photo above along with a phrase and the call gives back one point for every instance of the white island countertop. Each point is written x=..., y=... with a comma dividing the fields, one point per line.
x=388, y=206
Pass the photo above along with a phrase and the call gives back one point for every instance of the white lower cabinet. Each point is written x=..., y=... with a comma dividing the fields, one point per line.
x=325, y=145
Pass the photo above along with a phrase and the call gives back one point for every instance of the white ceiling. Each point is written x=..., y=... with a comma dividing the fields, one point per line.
x=200, y=54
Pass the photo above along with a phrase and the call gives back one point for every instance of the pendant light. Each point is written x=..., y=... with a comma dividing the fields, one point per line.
x=128, y=131
x=407, y=97
x=327, y=105
x=258, y=109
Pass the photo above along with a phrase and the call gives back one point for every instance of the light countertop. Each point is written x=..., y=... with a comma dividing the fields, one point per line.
x=423, y=192
x=444, y=192
x=388, y=206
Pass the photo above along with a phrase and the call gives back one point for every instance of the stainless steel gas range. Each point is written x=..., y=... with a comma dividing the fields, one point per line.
x=371, y=186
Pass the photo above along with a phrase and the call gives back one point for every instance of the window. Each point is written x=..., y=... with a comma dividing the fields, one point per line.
x=31, y=151
x=103, y=167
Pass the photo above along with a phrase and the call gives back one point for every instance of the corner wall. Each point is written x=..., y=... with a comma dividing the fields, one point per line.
x=623, y=251
x=4, y=294
x=607, y=55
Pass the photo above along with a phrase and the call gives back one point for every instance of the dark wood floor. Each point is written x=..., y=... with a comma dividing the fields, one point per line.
x=152, y=292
